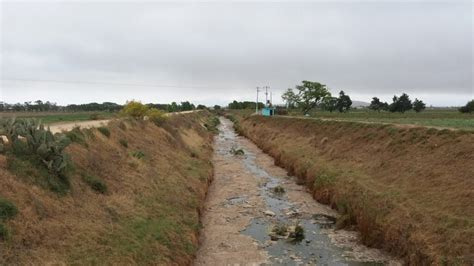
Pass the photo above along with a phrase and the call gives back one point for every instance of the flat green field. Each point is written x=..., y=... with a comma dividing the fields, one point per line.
x=443, y=118
x=55, y=117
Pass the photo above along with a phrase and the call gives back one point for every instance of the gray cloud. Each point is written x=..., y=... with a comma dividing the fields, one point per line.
x=226, y=49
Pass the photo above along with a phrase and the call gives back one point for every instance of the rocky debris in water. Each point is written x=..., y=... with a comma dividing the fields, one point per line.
x=296, y=233
x=278, y=190
x=269, y=213
x=293, y=214
x=324, y=219
x=237, y=151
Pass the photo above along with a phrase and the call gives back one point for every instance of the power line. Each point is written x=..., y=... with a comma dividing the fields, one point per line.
x=106, y=83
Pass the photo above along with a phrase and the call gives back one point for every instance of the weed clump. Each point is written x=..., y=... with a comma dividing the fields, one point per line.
x=124, y=143
x=237, y=152
x=77, y=136
x=138, y=154
x=3, y=232
x=278, y=190
x=7, y=209
x=212, y=124
x=105, y=131
x=297, y=234
x=94, y=116
x=96, y=183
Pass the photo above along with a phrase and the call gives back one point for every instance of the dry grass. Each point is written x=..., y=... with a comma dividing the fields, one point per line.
x=148, y=215
x=408, y=191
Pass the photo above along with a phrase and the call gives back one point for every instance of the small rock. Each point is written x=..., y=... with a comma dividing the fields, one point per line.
x=269, y=213
x=308, y=241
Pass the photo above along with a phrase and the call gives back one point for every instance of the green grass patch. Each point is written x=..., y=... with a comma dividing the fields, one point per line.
x=7, y=209
x=124, y=143
x=3, y=232
x=77, y=136
x=104, y=131
x=138, y=154
x=443, y=118
x=96, y=183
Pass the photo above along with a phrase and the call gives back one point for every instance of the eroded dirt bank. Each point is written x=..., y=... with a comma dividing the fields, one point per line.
x=407, y=190
x=242, y=209
x=153, y=180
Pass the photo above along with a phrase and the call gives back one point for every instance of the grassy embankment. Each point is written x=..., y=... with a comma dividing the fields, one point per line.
x=134, y=197
x=407, y=190
x=57, y=117
x=441, y=118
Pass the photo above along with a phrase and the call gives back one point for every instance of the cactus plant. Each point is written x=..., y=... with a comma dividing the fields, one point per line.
x=40, y=142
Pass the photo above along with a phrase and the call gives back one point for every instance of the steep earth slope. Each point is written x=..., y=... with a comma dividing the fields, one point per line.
x=135, y=197
x=409, y=191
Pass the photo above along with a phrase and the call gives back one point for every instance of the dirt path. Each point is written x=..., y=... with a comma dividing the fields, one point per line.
x=67, y=126
x=242, y=209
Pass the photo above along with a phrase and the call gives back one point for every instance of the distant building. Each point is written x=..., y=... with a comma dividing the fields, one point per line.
x=268, y=111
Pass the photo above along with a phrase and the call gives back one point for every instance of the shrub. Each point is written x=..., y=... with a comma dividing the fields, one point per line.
x=124, y=143
x=278, y=190
x=298, y=234
x=3, y=232
x=105, y=131
x=77, y=136
x=135, y=109
x=7, y=209
x=468, y=108
x=280, y=229
x=156, y=116
x=138, y=154
x=95, y=183
x=94, y=116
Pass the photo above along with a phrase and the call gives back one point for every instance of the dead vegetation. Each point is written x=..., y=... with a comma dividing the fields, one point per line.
x=119, y=209
x=407, y=190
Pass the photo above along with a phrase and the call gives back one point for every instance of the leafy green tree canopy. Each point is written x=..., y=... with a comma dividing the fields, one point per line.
x=310, y=94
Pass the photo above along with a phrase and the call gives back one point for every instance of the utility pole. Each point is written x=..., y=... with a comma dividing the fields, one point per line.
x=256, y=103
x=266, y=95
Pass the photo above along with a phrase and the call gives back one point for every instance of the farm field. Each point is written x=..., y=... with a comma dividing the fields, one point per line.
x=443, y=118
x=57, y=117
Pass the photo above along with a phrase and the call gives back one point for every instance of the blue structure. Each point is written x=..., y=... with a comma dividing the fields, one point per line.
x=268, y=111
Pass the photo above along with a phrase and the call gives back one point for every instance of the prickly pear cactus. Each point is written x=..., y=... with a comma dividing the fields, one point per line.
x=40, y=141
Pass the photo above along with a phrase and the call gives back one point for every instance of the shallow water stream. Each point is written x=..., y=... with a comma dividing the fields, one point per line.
x=243, y=209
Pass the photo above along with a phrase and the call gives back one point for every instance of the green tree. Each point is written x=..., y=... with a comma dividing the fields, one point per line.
x=290, y=98
x=377, y=105
x=310, y=94
x=401, y=104
x=418, y=105
x=468, y=108
x=344, y=102
x=329, y=104
x=173, y=107
x=201, y=107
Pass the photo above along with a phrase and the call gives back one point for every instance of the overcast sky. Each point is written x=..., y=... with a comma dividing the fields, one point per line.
x=212, y=53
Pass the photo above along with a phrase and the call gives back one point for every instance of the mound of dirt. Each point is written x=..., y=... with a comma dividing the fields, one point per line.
x=408, y=190
x=135, y=198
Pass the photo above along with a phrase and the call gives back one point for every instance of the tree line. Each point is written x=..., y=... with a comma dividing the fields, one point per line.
x=310, y=95
x=244, y=105
x=40, y=106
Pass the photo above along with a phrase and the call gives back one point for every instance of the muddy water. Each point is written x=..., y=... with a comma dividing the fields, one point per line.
x=243, y=209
